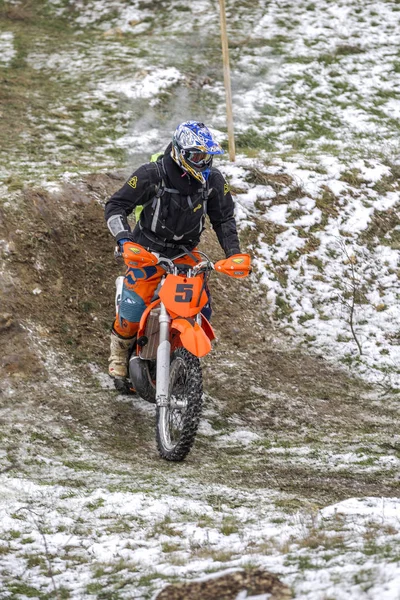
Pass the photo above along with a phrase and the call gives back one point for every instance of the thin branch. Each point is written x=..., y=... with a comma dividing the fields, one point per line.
x=353, y=301
x=354, y=288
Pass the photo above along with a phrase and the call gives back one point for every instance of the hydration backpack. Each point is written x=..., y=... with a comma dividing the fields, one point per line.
x=139, y=208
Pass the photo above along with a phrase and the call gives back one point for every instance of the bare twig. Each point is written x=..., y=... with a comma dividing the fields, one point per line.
x=353, y=302
x=354, y=288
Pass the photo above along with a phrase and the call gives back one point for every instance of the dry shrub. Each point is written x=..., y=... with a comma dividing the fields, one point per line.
x=275, y=180
x=17, y=12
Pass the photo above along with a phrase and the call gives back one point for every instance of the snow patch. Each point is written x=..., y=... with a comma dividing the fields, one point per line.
x=148, y=86
x=7, y=50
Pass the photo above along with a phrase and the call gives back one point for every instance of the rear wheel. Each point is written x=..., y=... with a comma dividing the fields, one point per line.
x=177, y=423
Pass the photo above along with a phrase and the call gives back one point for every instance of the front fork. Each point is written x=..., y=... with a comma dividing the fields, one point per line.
x=163, y=358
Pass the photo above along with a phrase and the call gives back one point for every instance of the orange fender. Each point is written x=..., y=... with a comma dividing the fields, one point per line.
x=205, y=324
x=193, y=337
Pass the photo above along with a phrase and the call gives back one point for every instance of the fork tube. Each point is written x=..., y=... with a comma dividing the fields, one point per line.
x=163, y=358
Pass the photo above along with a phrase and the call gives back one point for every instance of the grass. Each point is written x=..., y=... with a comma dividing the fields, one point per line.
x=78, y=465
x=205, y=521
x=384, y=228
x=24, y=589
x=99, y=503
x=283, y=308
x=277, y=181
x=120, y=526
x=168, y=547
x=166, y=527
x=267, y=230
x=36, y=561
x=14, y=534
x=229, y=525
x=251, y=140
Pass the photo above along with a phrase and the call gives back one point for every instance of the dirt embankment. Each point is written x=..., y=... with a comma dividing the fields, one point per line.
x=60, y=255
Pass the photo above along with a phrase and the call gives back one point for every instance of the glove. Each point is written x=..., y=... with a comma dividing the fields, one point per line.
x=121, y=243
x=119, y=248
x=237, y=265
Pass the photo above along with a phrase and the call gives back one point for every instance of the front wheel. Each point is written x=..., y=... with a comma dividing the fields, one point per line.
x=177, y=423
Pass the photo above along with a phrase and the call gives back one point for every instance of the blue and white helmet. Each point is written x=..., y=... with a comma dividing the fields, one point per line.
x=193, y=148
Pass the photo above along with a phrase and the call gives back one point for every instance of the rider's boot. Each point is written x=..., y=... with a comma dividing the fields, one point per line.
x=119, y=354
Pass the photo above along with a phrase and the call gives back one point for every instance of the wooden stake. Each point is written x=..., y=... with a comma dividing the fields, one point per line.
x=227, y=80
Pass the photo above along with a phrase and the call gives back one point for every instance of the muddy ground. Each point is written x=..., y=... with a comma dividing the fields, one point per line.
x=57, y=296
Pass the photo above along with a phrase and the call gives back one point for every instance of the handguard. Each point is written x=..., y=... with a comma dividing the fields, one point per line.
x=238, y=266
x=135, y=255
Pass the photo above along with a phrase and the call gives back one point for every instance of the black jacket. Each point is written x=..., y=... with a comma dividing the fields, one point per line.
x=175, y=206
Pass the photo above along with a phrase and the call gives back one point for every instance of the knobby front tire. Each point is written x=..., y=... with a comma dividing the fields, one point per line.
x=178, y=422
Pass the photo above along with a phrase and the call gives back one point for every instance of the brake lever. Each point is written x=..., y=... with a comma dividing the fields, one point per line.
x=168, y=263
x=204, y=266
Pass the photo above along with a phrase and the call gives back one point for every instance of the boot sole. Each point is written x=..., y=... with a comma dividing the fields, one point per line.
x=123, y=386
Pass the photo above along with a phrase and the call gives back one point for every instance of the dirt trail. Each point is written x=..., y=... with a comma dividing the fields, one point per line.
x=255, y=379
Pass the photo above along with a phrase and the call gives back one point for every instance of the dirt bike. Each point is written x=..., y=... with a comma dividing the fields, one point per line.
x=164, y=366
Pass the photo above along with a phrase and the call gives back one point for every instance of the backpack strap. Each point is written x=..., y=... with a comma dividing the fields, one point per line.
x=205, y=194
x=159, y=190
x=165, y=189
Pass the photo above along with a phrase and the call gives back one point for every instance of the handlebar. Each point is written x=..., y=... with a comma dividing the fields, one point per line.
x=238, y=265
x=169, y=265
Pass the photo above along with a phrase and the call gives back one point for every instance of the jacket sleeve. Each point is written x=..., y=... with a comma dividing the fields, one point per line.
x=137, y=190
x=220, y=209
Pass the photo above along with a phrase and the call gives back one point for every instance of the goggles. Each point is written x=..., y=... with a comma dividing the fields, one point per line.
x=199, y=159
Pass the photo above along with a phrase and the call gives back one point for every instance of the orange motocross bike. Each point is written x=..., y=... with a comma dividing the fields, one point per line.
x=164, y=366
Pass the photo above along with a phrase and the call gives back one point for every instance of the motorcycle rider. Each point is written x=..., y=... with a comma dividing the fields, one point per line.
x=173, y=194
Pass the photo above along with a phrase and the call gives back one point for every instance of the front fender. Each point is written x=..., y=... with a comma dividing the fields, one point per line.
x=206, y=325
x=192, y=336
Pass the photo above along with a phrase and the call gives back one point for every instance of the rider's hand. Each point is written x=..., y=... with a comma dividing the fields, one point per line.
x=122, y=242
x=237, y=265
